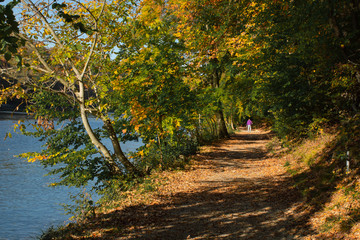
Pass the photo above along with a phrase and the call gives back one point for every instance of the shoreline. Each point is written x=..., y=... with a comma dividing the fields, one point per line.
x=10, y=115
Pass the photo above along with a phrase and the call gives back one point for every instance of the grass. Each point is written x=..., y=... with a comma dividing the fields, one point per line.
x=330, y=194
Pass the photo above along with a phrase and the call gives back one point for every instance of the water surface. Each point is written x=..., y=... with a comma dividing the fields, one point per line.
x=27, y=205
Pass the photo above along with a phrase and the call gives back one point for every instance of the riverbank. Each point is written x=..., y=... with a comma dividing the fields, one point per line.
x=10, y=115
x=231, y=190
x=234, y=189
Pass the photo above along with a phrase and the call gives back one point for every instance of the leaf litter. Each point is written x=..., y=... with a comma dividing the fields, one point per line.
x=233, y=189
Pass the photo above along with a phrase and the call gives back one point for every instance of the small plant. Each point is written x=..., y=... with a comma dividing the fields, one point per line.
x=168, y=154
x=48, y=234
x=82, y=208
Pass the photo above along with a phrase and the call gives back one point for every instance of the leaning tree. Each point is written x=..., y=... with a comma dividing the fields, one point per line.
x=65, y=77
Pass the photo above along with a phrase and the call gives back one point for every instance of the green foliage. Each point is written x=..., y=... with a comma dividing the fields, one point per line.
x=293, y=95
x=168, y=72
x=9, y=27
x=83, y=206
x=171, y=152
x=49, y=234
x=52, y=105
x=71, y=18
x=111, y=192
x=121, y=189
x=68, y=153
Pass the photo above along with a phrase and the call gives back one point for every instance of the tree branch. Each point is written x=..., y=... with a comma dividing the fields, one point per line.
x=32, y=6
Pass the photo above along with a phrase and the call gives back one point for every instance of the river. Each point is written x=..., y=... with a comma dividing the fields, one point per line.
x=27, y=205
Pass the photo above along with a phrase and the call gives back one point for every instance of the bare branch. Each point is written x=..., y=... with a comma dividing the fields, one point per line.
x=94, y=42
x=40, y=58
x=40, y=69
x=25, y=20
x=32, y=6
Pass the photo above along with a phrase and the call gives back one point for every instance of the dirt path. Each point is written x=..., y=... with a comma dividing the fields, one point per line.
x=235, y=191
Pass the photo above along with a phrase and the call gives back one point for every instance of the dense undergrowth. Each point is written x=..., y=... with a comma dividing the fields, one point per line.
x=331, y=191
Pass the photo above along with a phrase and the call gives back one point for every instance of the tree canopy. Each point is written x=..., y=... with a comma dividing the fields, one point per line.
x=176, y=73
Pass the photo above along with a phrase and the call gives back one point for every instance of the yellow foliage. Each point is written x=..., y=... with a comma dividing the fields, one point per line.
x=137, y=128
x=36, y=158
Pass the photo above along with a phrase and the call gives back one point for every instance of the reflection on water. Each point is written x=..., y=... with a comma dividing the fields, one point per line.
x=27, y=204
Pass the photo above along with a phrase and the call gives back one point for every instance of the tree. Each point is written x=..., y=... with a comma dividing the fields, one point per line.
x=295, y=55
x=305, y=70
x=151, y=71
x=204, y=27
x=8, y=28
x=67, y=54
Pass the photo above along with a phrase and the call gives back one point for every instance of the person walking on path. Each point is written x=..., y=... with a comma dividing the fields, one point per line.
x=248, y=124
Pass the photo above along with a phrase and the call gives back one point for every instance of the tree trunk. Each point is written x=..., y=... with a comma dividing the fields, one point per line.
x=110, y=162
x=220, y=122
x=117, y=149
x=232, y=122
x=221, y=126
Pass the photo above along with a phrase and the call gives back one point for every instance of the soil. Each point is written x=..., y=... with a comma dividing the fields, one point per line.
x=234, y=190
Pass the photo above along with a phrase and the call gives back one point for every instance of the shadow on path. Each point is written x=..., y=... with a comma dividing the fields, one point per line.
x=240, y=199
